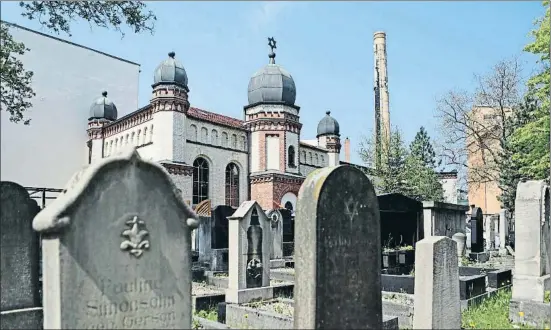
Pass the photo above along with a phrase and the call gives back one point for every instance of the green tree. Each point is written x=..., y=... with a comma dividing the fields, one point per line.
x=422, y=148
x=401, y=171
x=422, y=182
x=509, y=165
x=16, y=82
x=531, y=140
x=389, y=177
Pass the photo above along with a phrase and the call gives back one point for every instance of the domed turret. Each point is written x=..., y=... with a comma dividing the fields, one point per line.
x=170, y=71
x=272, y=83
x=103, y=108
x=328, y=126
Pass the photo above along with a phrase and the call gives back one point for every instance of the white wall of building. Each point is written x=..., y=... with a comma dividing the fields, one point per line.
x=67, y=79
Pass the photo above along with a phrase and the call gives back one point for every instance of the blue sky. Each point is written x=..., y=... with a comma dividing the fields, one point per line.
x=432, y=47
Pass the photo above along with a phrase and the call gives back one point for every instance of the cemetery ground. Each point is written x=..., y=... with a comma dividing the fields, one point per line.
x=117, y=253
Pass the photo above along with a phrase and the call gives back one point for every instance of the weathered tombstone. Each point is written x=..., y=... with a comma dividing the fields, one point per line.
x=503, y=231
x=531, y=277
x=276, y=221
x=437, y=304
x=490, y=232
x=19, y=257
x=338, y=255
x=249, y=255
x=116, y=250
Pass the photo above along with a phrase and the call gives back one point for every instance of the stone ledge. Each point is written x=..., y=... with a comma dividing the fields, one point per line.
x=536, y=314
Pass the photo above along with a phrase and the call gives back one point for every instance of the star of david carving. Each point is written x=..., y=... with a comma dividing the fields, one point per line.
x=351, y=208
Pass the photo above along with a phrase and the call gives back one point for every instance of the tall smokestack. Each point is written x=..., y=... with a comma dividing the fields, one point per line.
x=347, y=150
x=382, y=111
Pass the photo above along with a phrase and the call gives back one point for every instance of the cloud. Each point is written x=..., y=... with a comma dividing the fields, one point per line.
x=265, y=14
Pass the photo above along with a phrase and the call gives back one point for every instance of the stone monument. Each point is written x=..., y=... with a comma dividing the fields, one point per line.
x=20, y=306
x=250, y=245
x=117, y=249
x=477, y=236
x=338, y=252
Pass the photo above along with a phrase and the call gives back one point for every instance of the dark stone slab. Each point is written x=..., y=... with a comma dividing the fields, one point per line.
x=19, y=249
x=339, y=255
x=479, y=256
x=500, y=278
x=120, y=236
x=470, y=271
x=471, y=286
x=288, y=249
x=477, y=230
x=284, y=290
x=24, y=319
x=198, y=275
x=398, y=283
x=221, y=310
x=390, y=322
x=207, y=302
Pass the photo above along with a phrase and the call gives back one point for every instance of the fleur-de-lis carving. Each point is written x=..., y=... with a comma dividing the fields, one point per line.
x=135, y=243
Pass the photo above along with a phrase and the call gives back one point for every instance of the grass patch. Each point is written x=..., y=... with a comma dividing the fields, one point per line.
x=493, y=313
x=211, y=315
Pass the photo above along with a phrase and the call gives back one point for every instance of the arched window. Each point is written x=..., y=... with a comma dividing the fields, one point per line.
x=234, y=141
x=224, y=139
x=200, y=180
x=232, y=185
x=192, y=133
x=291, y=157
x=303, y=156
x=322, y=160
x=151, y=134
x=310, y=158
x=139, y=137
x=204, y=135
x=317, y=160
x=144, y=136
x=243, y=143
x=214, y=137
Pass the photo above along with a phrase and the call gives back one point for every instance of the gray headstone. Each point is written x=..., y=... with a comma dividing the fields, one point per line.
x=19, y=253
x=477, y=230
x=531, y=277
x=117, y=250
x=338, y=252
x=437, y=304
x=19, y=248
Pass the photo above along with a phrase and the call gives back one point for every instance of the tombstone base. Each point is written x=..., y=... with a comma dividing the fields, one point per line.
x=503, y=252
x=277, y=263
x=243, y=296
x=535, y=313
x=530, y=288
x=479, y=256
x=27, y=318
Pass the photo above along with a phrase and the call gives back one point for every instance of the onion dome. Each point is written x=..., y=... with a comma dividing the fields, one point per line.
x=103, y=108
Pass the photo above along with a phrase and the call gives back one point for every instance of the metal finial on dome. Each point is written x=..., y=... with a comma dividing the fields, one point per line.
x=171, y=54
x=328, y=112
x=272, y=44
x=104, y=93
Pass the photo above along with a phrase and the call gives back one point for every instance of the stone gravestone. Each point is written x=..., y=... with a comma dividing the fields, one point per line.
x=250, y=245
x=117, y=250
x=436, y=300
x=477, y=236
x=503, y=231
x=276, y=220
x=19, y=252
x=531, y=277
x=338, y=252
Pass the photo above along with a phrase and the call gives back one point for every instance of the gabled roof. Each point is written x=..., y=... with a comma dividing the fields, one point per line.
x=244, y=209
x=215, y=118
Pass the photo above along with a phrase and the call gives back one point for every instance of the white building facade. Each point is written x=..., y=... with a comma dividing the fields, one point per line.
x=215, y=158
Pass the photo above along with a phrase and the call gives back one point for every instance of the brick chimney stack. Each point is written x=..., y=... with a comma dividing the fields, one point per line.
x=347, y=150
